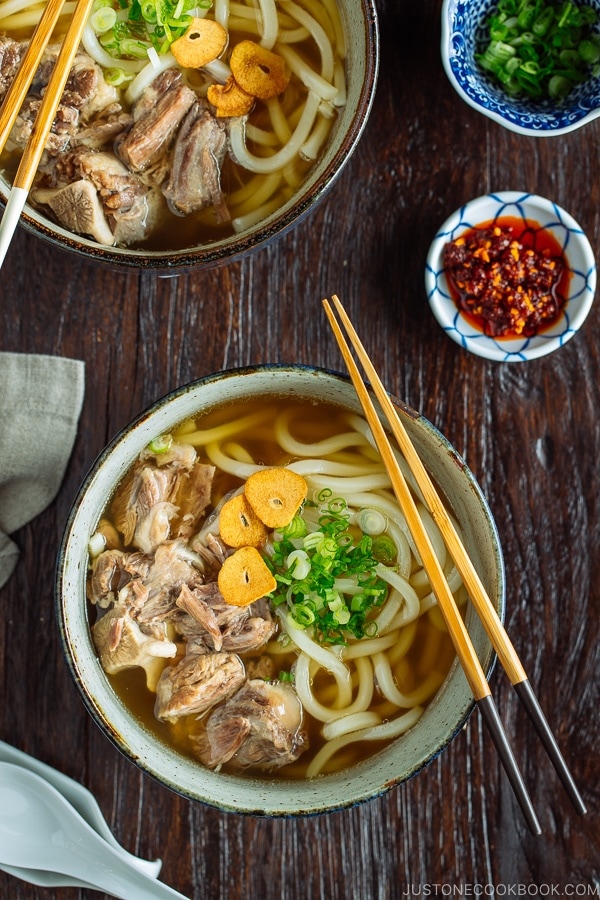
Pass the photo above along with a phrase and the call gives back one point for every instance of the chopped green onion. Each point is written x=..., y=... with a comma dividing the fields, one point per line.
x=137, y=49
x=103, y=19
x=342, y=615
x=371, y=521
x=297, y=528
x=141, y=24
x=161, y=444
x=589, y=51
x=313, y=540
x=298, y=564
x=526, y=17
x=303, y=615
x=324, y=494
x=559, y=87
x=310, y=578
x=149, y=12
x=540, y=48
x=117, y=77
x=543, y=22
x=384, y=549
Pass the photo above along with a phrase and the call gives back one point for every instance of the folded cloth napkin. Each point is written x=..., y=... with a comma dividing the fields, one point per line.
x=40, y=403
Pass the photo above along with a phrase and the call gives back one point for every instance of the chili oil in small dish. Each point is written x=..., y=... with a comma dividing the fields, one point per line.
x=510, y=276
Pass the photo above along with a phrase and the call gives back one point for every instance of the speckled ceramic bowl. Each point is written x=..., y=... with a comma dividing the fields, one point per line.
x=270, y=797
x=362, y=37
x=463, y=32
x=580, y=261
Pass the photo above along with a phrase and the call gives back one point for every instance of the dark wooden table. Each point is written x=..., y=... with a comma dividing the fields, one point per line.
x=530, y=432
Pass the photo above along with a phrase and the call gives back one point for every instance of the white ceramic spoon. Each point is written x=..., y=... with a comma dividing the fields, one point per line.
x=84, y=802
x=39, y=829
x=42, y=878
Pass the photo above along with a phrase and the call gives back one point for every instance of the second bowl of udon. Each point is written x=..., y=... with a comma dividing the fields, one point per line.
x=241, y=604
x=193, y=142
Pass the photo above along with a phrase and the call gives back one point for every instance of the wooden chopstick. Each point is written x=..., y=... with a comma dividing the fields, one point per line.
x=43, y=123
x=22, y=81
x=479, y=597
x=456, y=627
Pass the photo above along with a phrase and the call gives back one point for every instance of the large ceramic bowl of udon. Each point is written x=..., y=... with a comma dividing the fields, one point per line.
x=112, y=199
x=377, y=767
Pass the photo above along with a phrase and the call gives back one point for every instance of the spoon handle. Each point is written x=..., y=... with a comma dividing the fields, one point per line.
x=43, y=878
x=125, y=882
x=134, y=889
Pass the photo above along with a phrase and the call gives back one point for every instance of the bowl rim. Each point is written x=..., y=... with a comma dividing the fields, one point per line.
x=540, y=127
x=351, y=788
x=231, y=249
x=452, y=320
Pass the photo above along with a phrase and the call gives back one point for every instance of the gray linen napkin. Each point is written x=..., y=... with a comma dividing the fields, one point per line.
x=40, y=403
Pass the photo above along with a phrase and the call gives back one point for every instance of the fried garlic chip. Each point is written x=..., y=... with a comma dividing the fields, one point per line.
x=258, y=71
x=275, y=495
x=202, y=43
x=244, y=577
x=239, y=526
x=229, y=99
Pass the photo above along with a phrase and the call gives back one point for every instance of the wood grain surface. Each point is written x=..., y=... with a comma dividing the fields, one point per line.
x=530, y=433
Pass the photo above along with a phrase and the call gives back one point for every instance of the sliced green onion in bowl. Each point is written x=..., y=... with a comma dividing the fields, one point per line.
x=103, y=19
x=371, y=521
x=161, y=444
x=540, y=48
x=117, y=77
x=298, y=564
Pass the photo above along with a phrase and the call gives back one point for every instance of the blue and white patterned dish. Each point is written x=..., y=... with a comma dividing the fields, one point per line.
x=575, y=246
x=463, y=31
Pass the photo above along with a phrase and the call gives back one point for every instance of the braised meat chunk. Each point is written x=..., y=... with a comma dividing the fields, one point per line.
x=86, y=95
x=156, y=118
x=11, y=54
x=195, y=177
x=111, y=571
x=213, y=624
x=261, y=727
x=122, y=644
x=159, y=489
x=198, y=682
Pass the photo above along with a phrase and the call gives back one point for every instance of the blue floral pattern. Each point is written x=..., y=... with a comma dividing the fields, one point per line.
x=580, y=260
x=463, y=31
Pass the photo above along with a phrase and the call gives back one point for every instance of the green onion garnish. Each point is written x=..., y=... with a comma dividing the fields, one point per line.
x=148, y=23
x=117, y=77
x=311, y=569
x=161, y=444
x=540, y=48
x=103, y=19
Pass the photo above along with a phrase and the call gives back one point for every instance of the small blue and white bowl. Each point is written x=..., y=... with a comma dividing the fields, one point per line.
x=463, y=32
x=578, y=254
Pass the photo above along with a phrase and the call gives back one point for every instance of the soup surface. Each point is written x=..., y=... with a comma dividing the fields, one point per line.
x=297, y=646
x=182, y=122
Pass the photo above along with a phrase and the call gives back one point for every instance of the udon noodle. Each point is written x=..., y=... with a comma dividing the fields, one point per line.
x=270, y=145
x=361, y=645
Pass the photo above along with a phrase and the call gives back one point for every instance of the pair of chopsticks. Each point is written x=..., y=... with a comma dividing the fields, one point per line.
x=479, y=597
x=47, y=111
